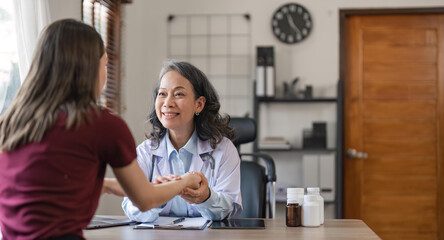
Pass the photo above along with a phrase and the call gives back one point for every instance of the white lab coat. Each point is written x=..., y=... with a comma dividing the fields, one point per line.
x=225, y=200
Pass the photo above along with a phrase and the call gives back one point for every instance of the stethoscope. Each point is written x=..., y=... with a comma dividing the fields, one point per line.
x=204, y=156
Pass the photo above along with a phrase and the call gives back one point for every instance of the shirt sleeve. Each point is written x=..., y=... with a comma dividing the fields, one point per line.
x=117, y=146
x=218, y=206
x=225, y=200
x=133, y=213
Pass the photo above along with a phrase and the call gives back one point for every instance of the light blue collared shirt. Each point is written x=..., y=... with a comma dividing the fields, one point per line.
x=180, y=162
x=185, y=153
x=225, y=197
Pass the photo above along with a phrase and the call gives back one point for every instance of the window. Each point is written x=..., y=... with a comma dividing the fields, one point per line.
x=9, y=71
x=104, y=16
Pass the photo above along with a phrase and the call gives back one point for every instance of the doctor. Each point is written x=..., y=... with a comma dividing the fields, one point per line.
x=189, y=134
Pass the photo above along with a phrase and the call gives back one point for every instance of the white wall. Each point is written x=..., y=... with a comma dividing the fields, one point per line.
x=65, y=9
x=315, y=60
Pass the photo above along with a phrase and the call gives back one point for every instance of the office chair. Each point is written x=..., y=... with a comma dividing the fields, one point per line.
x=256, y=181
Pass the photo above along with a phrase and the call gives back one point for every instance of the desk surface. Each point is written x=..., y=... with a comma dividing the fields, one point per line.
x=275, y=229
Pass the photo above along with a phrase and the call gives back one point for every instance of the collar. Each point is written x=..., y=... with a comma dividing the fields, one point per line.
x=161, y=151
x=190, y=146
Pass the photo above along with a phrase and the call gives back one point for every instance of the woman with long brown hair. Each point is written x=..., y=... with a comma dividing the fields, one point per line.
x=55, y=142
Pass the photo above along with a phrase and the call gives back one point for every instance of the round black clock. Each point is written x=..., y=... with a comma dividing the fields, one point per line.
x=291, y=23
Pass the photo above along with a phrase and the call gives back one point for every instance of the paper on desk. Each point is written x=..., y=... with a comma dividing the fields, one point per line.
x=196, y=223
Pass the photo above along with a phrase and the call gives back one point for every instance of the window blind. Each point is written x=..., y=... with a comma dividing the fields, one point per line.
x=104, y=16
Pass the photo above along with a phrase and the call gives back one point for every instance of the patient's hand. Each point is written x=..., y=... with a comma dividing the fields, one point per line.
x=164, y=179
x=199, y=194
x=111, y=186
x=194, y=180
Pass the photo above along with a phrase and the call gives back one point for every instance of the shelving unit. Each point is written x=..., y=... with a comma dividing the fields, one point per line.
x=295, y=100
x=335, y=204
x=297, y=150
x=259, y=100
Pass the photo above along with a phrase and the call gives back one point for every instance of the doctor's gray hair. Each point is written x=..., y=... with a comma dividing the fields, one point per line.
x=210, y=124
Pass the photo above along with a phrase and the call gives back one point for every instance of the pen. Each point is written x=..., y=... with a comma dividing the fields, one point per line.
x=178, y=220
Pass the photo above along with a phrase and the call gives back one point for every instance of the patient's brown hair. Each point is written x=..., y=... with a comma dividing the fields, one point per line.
x=63, y=75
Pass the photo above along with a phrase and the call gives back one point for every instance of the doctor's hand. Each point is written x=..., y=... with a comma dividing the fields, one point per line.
x=164, y=179
x=198, y=195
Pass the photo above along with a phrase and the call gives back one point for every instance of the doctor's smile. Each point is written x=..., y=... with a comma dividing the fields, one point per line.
x=169, y=115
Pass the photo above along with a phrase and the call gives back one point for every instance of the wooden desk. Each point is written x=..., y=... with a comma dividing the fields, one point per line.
x=275, y=229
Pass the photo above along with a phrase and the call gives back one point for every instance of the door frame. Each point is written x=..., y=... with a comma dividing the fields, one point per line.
x=343, y=15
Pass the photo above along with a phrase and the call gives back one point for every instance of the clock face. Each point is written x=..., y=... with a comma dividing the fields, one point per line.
x=291, y=23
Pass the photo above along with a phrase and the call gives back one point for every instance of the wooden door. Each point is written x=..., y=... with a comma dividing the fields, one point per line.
x=394, y=112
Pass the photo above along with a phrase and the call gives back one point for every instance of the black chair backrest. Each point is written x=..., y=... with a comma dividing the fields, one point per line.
x=253, y=176
x=253, y=187
x=244, y=130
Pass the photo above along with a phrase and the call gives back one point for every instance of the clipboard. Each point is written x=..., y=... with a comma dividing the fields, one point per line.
x=189, y=223
x=103, y=221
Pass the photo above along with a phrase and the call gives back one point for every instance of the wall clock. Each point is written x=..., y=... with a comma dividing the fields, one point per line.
x=291, y=23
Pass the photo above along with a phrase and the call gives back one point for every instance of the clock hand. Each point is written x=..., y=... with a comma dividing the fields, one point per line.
x=292, y=25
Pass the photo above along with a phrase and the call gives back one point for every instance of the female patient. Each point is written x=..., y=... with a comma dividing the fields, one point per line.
x=55, y=143
x=189, y=134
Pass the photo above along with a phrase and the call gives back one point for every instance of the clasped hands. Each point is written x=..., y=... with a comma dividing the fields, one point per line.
x=191, y=195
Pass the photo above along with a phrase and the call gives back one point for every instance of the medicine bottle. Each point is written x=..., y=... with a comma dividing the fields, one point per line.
x=296, y=193
x=293, y=210
x=315, y=191
x=310, y=211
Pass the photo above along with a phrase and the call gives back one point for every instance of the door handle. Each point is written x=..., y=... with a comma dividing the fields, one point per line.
x=352, y=153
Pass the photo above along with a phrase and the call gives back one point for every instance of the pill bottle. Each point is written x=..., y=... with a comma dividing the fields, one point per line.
x=293, y=209
x=310, y=211
x=315, y=191
x=299, y=192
